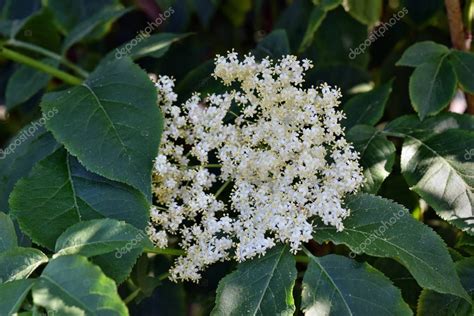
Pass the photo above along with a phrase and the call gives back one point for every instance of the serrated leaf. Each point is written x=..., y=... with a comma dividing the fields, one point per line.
x=88, y=25
x=431, y=303
x=411, y=124
x=382, y=228
x=274, y=45
x=262, y=286
x=365, y=11
x=424, y=151
x=336, y=285
x=432, y=86
x=18, y=263
x=8, y=238
x=437, y=168
x=377, y=155
x=13, y=294
x=71, y=284
x=422, y=52
x=16, y=161
x=463, y=64
x=24, y=83
x=115, y=111
x=96, y=237
x=367, y=108
x=61, y=193
x=401, y=278
x=113, y=245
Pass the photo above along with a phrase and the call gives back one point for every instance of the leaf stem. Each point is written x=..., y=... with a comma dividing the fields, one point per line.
x=163, y=276
x=48, y=53
x=23, y=59
x=212, y=165
x=132, y=296
x=302, y=259
x=222, y=188
x=166, y=251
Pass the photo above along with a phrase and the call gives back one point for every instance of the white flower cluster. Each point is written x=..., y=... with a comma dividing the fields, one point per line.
x=241, y=171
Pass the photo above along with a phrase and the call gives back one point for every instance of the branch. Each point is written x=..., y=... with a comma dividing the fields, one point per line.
x=460, y=36
x=456, y=27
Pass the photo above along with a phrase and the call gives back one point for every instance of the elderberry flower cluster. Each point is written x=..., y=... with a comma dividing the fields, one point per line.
x=240, y=171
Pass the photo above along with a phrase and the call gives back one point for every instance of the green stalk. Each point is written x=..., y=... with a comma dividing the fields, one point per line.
x=166, y=251
x=302, y=259
x=48, y=53
x=23, y=59
x=222, y=188
x=132, y=296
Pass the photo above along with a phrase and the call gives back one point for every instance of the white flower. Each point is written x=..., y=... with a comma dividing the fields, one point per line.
x=243, y=170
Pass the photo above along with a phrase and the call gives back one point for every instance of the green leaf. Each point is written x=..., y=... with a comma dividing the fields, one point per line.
x=18, y=263
x=32, y=144
x=92, y=23
x=365, y=11
x=432, y=149
x=143, y=45
x=274, y=45
x=38, y=29
x=439, y=170
x=69, y=14
x=410, y=125
x=382, y=228
x=422, y=52
x=432, y=86
x=327, y=4
x=71, y=284
x=345, y=77
x=8, y=237
x=61, y=193
x=377, y=155
x=206, y=84
x=463, y=64
x=118, y=242
x=96, y=237
x=13, y=294
x=262, y=286
x=336, y=285
x=401, y=278
x=115, y=111
x=317, y=16
x=300, y=11
x=340, y=41
x=25, y=83
x=367, y=108
x=434, y=304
